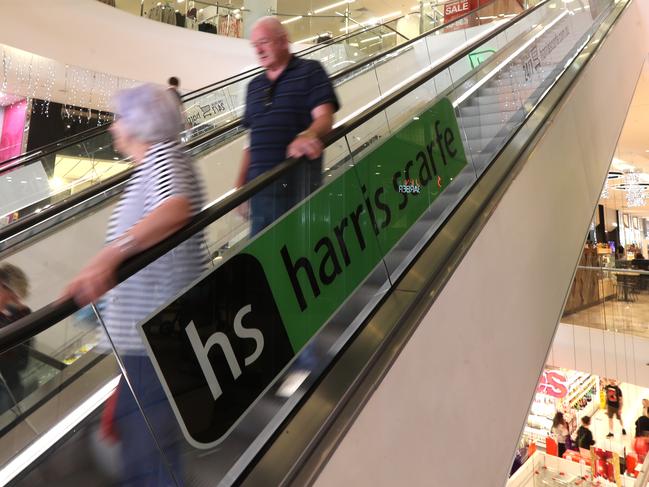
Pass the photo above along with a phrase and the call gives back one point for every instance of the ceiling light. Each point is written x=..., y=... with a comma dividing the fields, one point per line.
x=292, y=19
x=333, y=5
x=635, y=195
x=370, y=39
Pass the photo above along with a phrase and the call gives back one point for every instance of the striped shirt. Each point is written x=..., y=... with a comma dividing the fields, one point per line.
x=277, y=111
x=164, y=172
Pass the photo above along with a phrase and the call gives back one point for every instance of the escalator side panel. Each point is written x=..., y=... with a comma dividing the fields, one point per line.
x=469, y=371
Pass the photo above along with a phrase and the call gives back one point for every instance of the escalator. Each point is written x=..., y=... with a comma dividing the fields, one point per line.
x=415, y=177
x=69, y=189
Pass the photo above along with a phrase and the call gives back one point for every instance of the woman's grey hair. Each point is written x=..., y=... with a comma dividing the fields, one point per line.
x=149, y=113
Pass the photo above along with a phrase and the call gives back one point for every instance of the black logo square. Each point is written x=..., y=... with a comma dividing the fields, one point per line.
x=217, y=347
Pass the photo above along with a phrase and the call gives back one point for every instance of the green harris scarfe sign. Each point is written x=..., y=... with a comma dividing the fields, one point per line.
x=318, y=254
x=248, y=318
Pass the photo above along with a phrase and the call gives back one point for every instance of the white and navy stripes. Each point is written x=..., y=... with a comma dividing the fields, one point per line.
x=276, y=111
x=165, y=172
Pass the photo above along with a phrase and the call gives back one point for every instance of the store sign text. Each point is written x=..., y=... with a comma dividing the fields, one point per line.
x=456, y=8
x=553, y=384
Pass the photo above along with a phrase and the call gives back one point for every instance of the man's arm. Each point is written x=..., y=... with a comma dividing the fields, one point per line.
x=309, y=142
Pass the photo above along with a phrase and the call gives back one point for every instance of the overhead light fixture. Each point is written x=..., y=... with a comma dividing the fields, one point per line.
x=635, y=195
x=292, y=19
x=333, y=5
x=370, y=39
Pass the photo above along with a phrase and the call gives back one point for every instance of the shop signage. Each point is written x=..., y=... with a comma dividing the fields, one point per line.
x=221, y=344
x=454, y=10
x=459, y=8
x=553, y=384
x=205, y=111
x=541, y=49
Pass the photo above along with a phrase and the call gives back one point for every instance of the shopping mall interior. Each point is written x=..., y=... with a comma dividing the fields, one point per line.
x=479, y=315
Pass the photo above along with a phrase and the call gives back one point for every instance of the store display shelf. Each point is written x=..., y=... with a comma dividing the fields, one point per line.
x=582, y=389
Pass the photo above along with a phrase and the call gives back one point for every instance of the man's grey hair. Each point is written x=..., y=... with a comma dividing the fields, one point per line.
x=149, y=113
x=273, y=25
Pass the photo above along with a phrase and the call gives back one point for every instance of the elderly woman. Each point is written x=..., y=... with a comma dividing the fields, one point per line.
x=161, y=196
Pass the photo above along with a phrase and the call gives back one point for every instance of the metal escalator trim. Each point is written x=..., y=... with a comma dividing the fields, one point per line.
x=303, y=446
x=56, y=433
x=95, y=194
x=86, y=134
x=54, y=312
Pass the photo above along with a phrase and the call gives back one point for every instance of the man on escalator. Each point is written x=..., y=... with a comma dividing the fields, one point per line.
x=14, y=288
x=289, y=109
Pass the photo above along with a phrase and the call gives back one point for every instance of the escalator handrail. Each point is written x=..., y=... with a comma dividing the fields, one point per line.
x=51, y=314
x=36, y=154
x=49, y=212
x=31, y=155
x=256, y=70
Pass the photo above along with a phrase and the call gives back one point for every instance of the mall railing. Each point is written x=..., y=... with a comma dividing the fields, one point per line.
x=610, y=298
x=460, y=213
x=56, y=206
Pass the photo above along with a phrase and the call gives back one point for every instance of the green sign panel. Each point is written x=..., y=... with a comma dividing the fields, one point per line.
x=318, y=254
x=476, y=58
x=247, y=319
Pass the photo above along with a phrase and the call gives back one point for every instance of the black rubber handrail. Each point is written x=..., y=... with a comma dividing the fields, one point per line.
x=31, y=155
x=51, y=314
x=63, y=205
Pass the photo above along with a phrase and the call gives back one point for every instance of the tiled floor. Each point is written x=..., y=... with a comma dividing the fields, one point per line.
x=614, y=315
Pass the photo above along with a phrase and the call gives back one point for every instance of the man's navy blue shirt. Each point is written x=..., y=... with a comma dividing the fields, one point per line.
x=277, y=111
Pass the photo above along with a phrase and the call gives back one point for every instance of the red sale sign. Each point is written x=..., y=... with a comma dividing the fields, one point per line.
x=453, y=10
x=553, y=384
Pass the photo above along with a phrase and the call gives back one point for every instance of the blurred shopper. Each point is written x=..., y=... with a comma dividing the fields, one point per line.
x=641, y=441
x=174, y=87
x=584, y=436
x=560, y=431
x=163, y=193
x=642, y=423
x=614, y=402
x=289, y=108
x=14, y=288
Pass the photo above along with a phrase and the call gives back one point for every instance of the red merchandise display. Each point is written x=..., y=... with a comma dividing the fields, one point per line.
x=607, y=465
